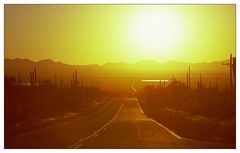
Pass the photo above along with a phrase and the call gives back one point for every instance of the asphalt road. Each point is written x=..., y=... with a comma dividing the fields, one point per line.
x=65, y=134
x=131, y=128
x=119, y=124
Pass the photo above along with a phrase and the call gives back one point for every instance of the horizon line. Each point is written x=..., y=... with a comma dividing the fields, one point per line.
x=143, y=60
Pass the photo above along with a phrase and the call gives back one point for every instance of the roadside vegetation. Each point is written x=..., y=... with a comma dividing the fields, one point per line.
x=44, y=103
x=204, y=113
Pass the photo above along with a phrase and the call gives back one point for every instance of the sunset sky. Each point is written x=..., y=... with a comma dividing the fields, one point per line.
x=97, y=34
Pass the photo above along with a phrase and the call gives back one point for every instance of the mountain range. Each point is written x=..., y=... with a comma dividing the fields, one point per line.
x=116, y=72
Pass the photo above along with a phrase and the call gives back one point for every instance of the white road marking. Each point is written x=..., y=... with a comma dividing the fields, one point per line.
x=174, y=134
x=96, y=134
x=52, y=126
x=139, y=106
x=80, y=142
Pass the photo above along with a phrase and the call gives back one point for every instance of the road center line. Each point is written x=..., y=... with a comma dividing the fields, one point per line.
x=55, y=125
x=80, y=142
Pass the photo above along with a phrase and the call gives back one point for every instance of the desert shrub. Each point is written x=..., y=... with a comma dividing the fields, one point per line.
x=207, y=114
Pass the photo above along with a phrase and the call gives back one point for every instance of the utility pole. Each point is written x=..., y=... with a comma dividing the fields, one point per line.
x=188, y=77
x=230, y=64
x=231, y=72
x=234, y=68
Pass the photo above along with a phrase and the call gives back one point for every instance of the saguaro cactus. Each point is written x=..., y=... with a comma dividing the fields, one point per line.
x=33, y=77
x=74, y=81
x=76, y=77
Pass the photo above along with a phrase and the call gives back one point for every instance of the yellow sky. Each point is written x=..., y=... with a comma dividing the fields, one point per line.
x=97, y=34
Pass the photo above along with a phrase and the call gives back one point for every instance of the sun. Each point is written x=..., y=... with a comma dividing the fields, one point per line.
x=156, y=30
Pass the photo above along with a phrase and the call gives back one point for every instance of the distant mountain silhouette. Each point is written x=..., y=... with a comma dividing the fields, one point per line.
x=15, y=66
x=114, y=72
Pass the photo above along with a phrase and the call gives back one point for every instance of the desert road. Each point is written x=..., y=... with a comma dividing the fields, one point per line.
x=120, y=123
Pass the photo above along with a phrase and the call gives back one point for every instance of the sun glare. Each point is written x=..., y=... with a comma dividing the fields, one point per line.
x=156, y=30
